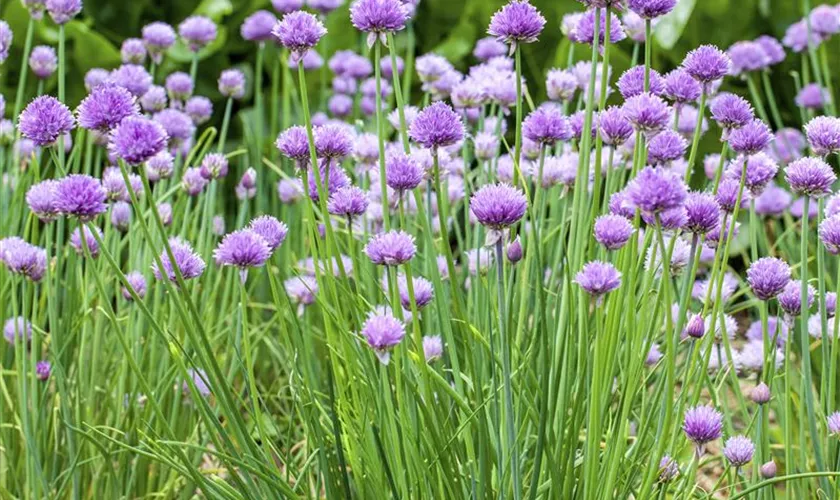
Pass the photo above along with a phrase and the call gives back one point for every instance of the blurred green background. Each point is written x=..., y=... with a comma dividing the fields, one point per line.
x=449, y=27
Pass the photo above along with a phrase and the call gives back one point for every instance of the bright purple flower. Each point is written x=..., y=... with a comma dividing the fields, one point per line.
x=751, y=138
x=791, y=299
x=17, y=328
x=159, y=37
x=681, y=87
x=299, y=31
x=133, y=77
x=731, y=111
x=22, y=258
x=115, y=187
x=517, y=22
x=349, y=201
x=632, y=82
x=498, y=205
x=43, y=370
x=760, y=170
x=768, y=277
x=243, y=249
x=702, y=212
x=189, y=263
x=137, y=282
x=598, y=278
x=707, y=64
x=423, y=292
x=812, y=96
x=41, y=200
x=651, y=9
x=105, y=107
x=257, y=27
x=747, y=56
x=488, y=48
x=44, y=120
x=391, y=249
x=648, y=113
x=133, y=51
x=810, y=177
x=546, y=125
x=738, y=450
x=702, y=424
x=92, y=245
x=432, y=348
x=336, y=180
x=154, y=99
x=247, y=187
x=614, y=126
x=270, y=229
x=655, y=190
x=294, y=144
x=80, y=196
x=585, y=30
x=666, y=147
x=178, y=126
x=774, y=50
x=333, y=142
x=137, y=139
x=613, y=231
x=302, y=290
x=121, y=216
x=214, y=166
x=378, y=17
x=197, y=32
x=383, y=332
x=824, y=135
x=232, y=83
x=830, y=234
x=402, y=172
x=179, y=85
x=728, y=193
x=437, y=125
x=199, y=109
x=193, y=182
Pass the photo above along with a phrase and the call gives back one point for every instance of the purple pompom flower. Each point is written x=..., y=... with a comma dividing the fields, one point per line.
x=43, y=61
x=812, y=96
x=729, y=190
x=257, y=27
x=332, y=180
x=5, y=40
x=598, y=278
x=747, y=56
x=656, y=190
x=17, y=328
x=702, y=424
x=707, y=64
x=488, y=48
x=738, y=450
x=190, y=264
x=612, y=231
x=340, y=105
x=702, y=213
x=197, y=32
x=301, y=290
x=790, y=299
x=517, y=22
x=299, y=31
x=133, y=77
x=80, y=196
x=286, y=6
x=774, y=50
x=22, y=258
x=750, y=139
x=62, y=11
x=498, y=206
x=760, y=170
x=121, y=216
x=731, y=111
x=214, y=166
x=561, y=85
x=648, y=113
x=105, y=108
x=160, y=166
x=437, y=125
x=179, y=86
x=154, y=99
x=178, y=126
x=585, y=29
x=137, y=139
x=79, y=245
x=294, y=144
x=615, y=128
x=832, y=423
x=232, y=83
x=333, y=142
x=243, y=249
x=324, y=7
x=349, y=202
x=199, y=109
x=810, y=177
x=423, y=292
x=391, y=249
x=546, y=125
x=681, y=87
x=383, y=332
x=432, y=348
x=666, y=147
x=378, y=17
x=768, y=277
x=272, y=230
x=651, y=9
x=632, y=82
x=158, y=37
x=96, y=77
x=402, y=172
x=41, y=200
x=830, y=234
x=133, y=51
x=137, y=282
x=193, y=182
x=44, y=120
x=823, y=134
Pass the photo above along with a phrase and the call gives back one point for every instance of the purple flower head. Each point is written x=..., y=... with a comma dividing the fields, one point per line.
x=655, y=190
x=768, y=470
x=79, y=246
x=790, y=298
x=760, y=394
x=286, y=6
x=517, y=22
x=613, y=231
x=702, y=424
x=340, y=105
x=232, y=83
x=293, y=144
x=498, y=205
x=43, y=61
x=598, y=278
x=402, y=172
x=578, y=120
x=486, y=146
x=752, y=138
x=324, y=7
x=830, y=234
x=17, y=328
x=810, y=177
x=133, y=51
x=133, y=77
x=193, y=182
x=833, y=421
x=378, y=17
x=432, y=348
x=632, y=82
x=121, y=216
x=257, y=27
x=35, y=8
x=621, y=205
x=178, y=126
x=137, y=139
x=299, y=31
x=666, y=147
x=584, y=31
x=488, y=48
x=648, y=113
x=823, y=134
x=728, y=193
x=383, y=332
x=423, y=292
x=768, y=277
x=243, y=249
x=760, y=170
x=5, y=40
x=561, y=85
x=214, y=166
x=436, y=126
x=247, y=186
x=22, y=258
x=96, y=77
x=199, y=109
x=707, y=64
x=696, y=327
x=43, y=370
x=391, y=249
x=219, y=226
x=824, y=21
x=302, y=290
x=179, y=86
x=774, y=50
x=546, y=125
x=80, y=196
x=731, y=111
x=812, y=96
x=158, y=37
x=702, y=212
x=62, y=11
x=799, y=36
x=44, y=120
x=349, y=201
x=189, y=263
x=270, y=229
x=105, y=107
x=115, y=187
x=289, y=190
x=154, y=99
x=738, y=450
x=668, y=469
x=681, y=87
x=514, y=251
x=333, y=142
x=41, y=200
x=651, y=9
x=160, y=166
x=197, y=32
x=614, y=126
x=747, y=56
x=333, y=181
x=137, y=282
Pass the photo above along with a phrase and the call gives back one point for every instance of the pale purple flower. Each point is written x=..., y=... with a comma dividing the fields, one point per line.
x=833, y=421
x=137, y=139
x=707, y=64
x=830, y=234
x=199, y=109
x=22, y=258
x=773, y=201
x=760, y=394
x=197, y=32
x=402, y=172
x=517, y=22
x=133, y=77
x=790, y=298
x=62, y=11
x=681, y=87
x=812, y=96
x=651, y=9
x=632, y=82
x=729, y=192
x=514, y=251
x=332, y=180
x=5, y=41
x=299, y=31
x=702, y=212
x=498, y=205
x=270, y=229
x=598, y=278
x=751, y=138
x=378, y=17
x=80, y=196
x=561, y=85
x=189, y=263
x=747, y=56
x=247, y=186
x=823, y=134
x=232, y=83
x=44, y=120
x=810, y=177
x=302, y=290
x=17, y=328
x=584, y=32
x=193, y=182
x=760, y=170
x=437, y=125
x=257, y=27
x=79, y=245
x=96, y=77
x=612, y=231
x=154, y=99
x=648, y=113
x=488, y=48
x=334, y=142
x=656, y=190
x=121, y=216
x=348, y=201
x=133, y=51
x=731, y=111
x=383, y=332
x=615, y=128
x=179, y=86
x=289, y=190
x=665, y=147
x=738, y=450
x=178, y=126
x=768, y=277
x=774, y=50
x=546, y=125
x=158, y=37
x=242, y=249
x=137, y=282
x=391, y=249
x=41, y=199
x=432, y=348
x=702, y=424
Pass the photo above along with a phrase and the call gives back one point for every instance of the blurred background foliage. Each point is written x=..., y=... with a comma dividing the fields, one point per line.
x=448, y=27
